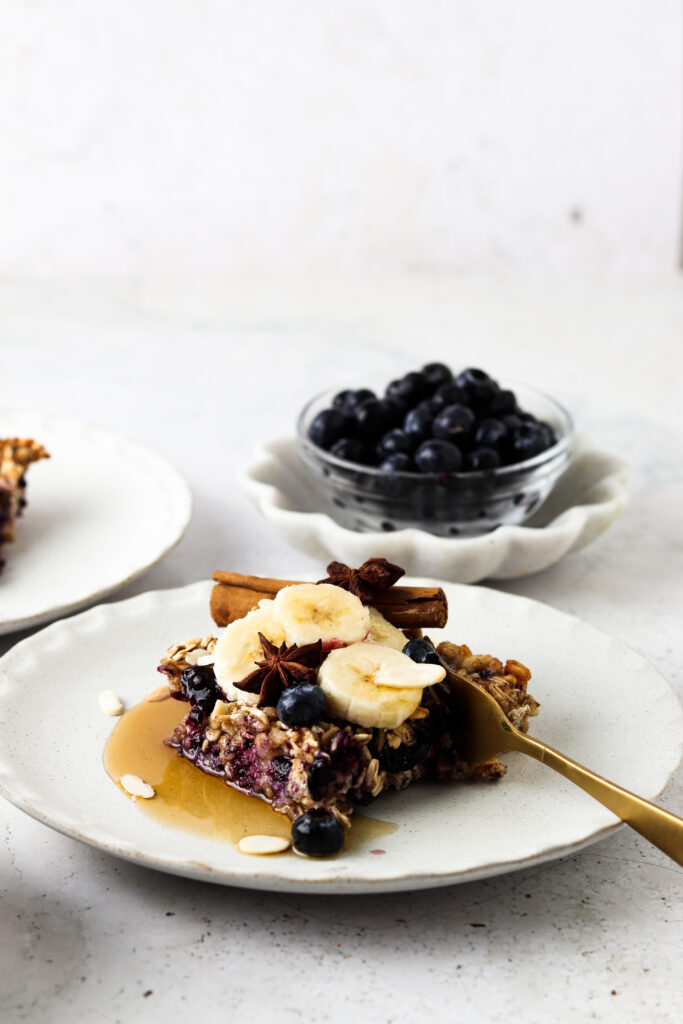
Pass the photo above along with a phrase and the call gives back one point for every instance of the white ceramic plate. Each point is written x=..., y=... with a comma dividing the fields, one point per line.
x=101, y=511
x=586, y=500
x=588, y=683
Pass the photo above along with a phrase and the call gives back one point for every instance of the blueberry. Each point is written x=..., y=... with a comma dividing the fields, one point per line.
x=409, y=389
x=355, y=398
x=436, y=403
x=396, y=409
x=528, y=440
x=303, y=704
x=436, y=374
x=320, y=776
x=452, y=422
x=317, y=833
x=452, y=394
x=503, y=401
x=399, y=462
x=422, y=651
x=438, y=457
x=396, y=441
x=199, y=686
x=511, y=420
x=483, y=458
x=353, y=450
x=340, y=399
x=372, y=419
x=418, y=423
x=478, y=385
x=490, y=433
x=549, y=433
x=405, y=756
x=327, y=427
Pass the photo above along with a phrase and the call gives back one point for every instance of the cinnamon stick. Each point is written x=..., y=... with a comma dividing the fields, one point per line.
x=405, y=607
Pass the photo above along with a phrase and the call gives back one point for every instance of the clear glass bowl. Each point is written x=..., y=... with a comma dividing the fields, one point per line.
x=449, y=504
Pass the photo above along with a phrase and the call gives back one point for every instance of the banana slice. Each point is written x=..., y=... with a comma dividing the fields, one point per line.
x=239, y=648
x=372, y=685
x=382, y=632
x=321, y=611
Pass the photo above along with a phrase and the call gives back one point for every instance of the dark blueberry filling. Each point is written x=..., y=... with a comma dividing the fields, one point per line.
x=199, y=686
x=280, y=767
x=321, y=778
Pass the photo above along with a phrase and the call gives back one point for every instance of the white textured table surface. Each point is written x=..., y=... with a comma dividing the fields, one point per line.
x=198, y=373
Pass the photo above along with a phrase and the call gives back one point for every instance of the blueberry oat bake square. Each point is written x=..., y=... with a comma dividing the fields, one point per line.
x=317, y=703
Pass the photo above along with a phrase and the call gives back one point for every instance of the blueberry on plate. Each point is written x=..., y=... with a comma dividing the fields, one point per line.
x=483, y=458
x=478, y=385
x=438, y=457
x=490, y=433
x=452, y=422
x=396, y=441
x=528, y=440
x=327, y=427
x=372, y=419
x=437, y=374
x=399, y=462
x=422, y=651
x=353, y=450
x=418, y=423
x=317, y=833
x=301, y=705
x=199, y=686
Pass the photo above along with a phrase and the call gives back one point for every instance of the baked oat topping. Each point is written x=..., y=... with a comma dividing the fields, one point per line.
x=16, y=455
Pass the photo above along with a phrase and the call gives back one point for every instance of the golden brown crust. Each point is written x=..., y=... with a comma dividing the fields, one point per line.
x=507, y=683
x=16, y=455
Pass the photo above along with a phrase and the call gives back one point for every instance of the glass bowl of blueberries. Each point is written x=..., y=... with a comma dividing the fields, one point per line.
x=456, y=454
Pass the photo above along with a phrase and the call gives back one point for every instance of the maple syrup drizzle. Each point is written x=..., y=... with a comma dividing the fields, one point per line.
x=189, y=799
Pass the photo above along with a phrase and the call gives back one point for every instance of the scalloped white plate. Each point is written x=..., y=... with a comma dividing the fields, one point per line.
x=586, y=500
x=587, y=682
x=101, y=511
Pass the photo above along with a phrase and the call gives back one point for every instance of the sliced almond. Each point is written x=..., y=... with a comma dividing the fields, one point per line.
x=110, y=703
x=261, y=846
x=135, y=786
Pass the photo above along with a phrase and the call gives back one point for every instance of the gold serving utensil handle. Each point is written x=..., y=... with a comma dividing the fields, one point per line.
x=482, y=731
x=663, y=829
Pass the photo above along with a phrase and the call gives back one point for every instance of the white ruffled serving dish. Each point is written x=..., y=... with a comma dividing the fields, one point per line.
x=585, y=501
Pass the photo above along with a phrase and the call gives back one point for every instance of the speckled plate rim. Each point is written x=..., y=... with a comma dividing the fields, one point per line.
x=175, y=489
x=24, y=666
x=506, y=553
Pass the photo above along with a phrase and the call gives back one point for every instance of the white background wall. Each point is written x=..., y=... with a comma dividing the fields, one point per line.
x=194, y=136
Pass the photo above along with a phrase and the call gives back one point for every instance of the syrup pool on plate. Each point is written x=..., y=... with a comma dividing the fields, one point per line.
x=189, y=799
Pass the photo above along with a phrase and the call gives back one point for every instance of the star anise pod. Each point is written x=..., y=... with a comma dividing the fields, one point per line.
x=281, y=666
x=368, y=582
